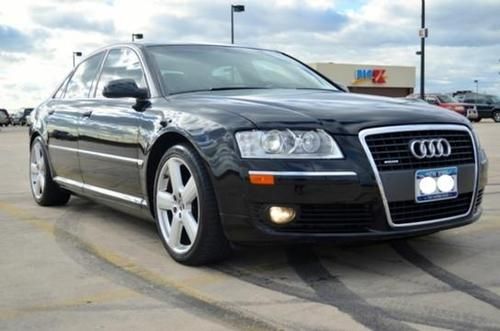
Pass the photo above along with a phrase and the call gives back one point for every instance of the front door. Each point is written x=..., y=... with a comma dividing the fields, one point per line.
x=108, y=134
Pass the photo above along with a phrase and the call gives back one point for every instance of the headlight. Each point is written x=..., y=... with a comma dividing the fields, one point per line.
x=287, y=144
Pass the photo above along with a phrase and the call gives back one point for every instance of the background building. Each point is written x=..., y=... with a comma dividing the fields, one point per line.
x=392, y=81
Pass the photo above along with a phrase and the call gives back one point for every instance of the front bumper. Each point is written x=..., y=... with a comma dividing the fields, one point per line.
x=343, y=204
x=317, y=191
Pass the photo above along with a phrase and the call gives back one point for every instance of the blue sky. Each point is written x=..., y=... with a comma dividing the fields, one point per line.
x=37, y=37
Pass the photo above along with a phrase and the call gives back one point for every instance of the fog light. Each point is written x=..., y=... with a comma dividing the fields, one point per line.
x=445, y=183
x=281, y=215
x=427, y=185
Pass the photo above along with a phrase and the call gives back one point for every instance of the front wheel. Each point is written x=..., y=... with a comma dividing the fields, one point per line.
x=45, y=191
x=496, y=116
x=186, y=211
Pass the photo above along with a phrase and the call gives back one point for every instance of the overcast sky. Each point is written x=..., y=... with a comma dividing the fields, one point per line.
x=37, y=37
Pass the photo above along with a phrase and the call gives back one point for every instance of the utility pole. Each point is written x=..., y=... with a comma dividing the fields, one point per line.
x=137, y=36
x=423, y=34
x=235, y=9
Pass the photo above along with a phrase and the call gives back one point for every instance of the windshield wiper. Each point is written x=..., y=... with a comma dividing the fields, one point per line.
x=238, y=88
x=316, y=89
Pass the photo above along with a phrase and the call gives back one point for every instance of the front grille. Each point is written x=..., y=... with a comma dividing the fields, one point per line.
x=391, y=151
x=320, y=218
x=404, y=212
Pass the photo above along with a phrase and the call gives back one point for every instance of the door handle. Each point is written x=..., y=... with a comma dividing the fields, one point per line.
x=87, y=113
x=50, y=112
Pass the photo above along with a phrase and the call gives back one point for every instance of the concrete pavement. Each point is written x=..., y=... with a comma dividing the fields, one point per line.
x=85, y=266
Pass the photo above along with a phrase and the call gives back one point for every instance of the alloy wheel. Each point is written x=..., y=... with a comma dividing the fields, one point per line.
x=496, y=116
x=177, y=205
x=37, y=170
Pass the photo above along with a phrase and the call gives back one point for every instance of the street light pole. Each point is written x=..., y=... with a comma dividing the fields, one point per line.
x=75, y=54
x=235, y=9
x=423, y=35
x=477, y=86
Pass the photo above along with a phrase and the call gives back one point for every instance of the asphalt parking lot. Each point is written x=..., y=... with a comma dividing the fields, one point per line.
x=85, y=266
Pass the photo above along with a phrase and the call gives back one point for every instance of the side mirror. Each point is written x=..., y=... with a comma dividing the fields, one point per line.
x=124, y=88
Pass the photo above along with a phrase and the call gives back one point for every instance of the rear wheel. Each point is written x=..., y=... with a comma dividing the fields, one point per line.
x=45, y=191
x=496, y=116
x=186, y=210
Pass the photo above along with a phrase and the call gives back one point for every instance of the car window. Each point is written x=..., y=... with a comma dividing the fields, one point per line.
x=120, y=64
x=494, y=99
x=446, y=98
x=201, y=68
x=491, y=99
x=227, y=75
x=81, y=82
x=432, y=100
x=273, y=73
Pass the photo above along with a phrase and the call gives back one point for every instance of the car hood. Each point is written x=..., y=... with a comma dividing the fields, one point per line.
x=343, y=113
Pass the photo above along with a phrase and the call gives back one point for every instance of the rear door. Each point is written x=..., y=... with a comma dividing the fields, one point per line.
x=64, y=112
x=108, y=135
x=483, y=108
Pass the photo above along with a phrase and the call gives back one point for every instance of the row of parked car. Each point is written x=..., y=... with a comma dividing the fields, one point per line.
x=474, y=106
x=20, y=117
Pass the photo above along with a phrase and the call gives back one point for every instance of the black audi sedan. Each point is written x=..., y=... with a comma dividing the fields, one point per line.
x=222, y=144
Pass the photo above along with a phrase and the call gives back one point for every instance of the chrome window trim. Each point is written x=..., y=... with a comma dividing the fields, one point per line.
x=417, y=127
x=303, y=173
x=113, y=194
x=102, y=155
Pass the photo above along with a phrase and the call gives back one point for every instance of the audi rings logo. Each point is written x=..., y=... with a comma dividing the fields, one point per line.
x=430, y=148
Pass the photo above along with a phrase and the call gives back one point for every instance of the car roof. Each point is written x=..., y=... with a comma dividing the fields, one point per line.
x=140, y=46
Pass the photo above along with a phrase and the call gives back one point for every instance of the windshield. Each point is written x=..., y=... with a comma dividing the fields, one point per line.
x=447, y=99
x=494, y=99
x=205, y=68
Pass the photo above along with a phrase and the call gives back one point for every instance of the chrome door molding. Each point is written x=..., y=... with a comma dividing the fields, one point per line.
x=417, y=127
x=95, y=189
x=138, y=162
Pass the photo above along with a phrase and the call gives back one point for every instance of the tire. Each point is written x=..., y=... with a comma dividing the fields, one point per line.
x=45, y=191
x=477, y=120
x=186, y=210
x=496, y=116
